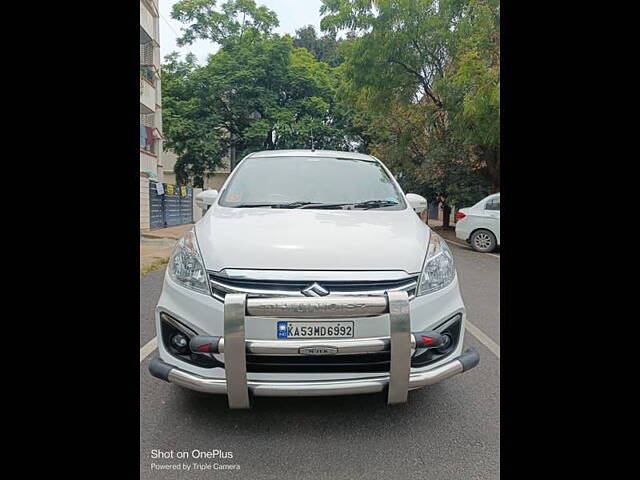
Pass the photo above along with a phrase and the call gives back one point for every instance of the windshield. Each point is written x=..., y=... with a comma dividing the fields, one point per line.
x=311, y=182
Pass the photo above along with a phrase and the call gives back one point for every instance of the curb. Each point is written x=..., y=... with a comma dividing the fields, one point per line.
x=151, y=235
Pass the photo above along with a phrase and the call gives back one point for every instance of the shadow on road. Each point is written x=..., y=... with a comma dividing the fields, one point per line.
x=450, y=430
x=307, y=414
x=469, y=248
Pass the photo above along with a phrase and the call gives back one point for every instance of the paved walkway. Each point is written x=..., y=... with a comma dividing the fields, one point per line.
x=175, y=233
x=156, y=246
x=446, y=233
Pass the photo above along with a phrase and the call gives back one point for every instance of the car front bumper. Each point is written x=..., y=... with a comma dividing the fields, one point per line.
x=264, y=388
x=375, y=330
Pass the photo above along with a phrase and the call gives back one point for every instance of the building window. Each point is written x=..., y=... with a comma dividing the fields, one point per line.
x=146, y=62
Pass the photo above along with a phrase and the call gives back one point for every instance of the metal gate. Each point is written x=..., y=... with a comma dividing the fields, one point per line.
x=169, y=205
x=433, y=210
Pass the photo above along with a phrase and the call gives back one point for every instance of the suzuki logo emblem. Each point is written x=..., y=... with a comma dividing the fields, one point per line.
x=315, y=290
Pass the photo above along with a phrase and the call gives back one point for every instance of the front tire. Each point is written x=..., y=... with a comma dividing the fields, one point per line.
x=483, y=241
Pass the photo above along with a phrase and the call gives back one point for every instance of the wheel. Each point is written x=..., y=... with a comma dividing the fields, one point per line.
x=483, y=241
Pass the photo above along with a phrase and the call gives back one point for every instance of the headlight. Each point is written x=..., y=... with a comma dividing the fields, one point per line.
x=438, y=270
x=186, y=266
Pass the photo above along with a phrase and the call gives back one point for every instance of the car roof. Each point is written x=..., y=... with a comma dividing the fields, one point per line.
x=311, y=153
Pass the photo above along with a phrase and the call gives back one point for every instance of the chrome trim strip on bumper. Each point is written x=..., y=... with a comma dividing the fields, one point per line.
x=317, y=307
x=297, y=293
x=465, y=362
x=315, y=275
x=343, y=346
x=346, y=346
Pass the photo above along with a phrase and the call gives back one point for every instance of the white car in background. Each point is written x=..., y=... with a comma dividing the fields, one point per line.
x=480, y=225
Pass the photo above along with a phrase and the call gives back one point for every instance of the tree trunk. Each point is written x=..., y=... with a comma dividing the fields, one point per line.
x=491, y=170
x=493, y=162
x=446, y=213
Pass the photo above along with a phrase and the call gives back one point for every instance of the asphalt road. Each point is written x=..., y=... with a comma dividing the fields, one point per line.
x=450, y=430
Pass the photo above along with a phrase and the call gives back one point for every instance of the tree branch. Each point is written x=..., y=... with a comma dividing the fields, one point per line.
x=423, y=81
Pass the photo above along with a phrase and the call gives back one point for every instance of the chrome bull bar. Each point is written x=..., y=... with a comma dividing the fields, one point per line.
x=400, y=345
x=237, y=307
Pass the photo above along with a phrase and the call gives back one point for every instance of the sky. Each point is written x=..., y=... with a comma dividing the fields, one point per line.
x=292, y=14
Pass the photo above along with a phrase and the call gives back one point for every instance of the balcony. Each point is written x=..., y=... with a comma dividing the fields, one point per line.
x=148, y=76
x=148, y=73
x=148, y=142
x=147, y=95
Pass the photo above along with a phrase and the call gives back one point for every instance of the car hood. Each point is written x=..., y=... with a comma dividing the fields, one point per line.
x=307, y=239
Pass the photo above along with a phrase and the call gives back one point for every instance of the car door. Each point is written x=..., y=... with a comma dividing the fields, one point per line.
x=492, y=216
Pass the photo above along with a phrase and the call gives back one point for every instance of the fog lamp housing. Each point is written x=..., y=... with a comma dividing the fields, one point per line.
x=180, y=342
x=450, y=329
x=175, y=338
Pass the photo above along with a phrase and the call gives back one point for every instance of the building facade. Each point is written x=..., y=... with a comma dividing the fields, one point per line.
x=214, y=181
x=151, y=155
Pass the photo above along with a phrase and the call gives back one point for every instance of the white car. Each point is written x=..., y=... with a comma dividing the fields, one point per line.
x=480, y=225
x=310, y=275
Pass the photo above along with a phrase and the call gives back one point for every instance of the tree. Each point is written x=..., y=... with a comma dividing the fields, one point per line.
x=234, y=21
x=473, y=92
x=424, y=75
x=258, y=92
x=324, y=48
x=415, y=82
x=191, y=127
x=422, y=162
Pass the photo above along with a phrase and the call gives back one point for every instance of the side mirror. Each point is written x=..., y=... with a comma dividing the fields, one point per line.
x=417, y=202
x=206, y=198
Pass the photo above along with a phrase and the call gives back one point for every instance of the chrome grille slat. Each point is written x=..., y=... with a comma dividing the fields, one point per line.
x=220, y=286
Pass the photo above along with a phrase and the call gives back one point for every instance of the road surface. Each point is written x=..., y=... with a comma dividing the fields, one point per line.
x=450, y=430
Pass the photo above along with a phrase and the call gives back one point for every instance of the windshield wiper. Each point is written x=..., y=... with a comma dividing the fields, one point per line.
x=375, y=204
x=326, y=205
x=254, y=205
x=274, y=205
x=364, y=205
x=297, y=204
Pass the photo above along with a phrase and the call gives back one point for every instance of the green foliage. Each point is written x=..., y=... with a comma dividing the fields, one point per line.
x=258, y=92
x=473, y=89
x=423, y=76
x=191, y=126
x=402, y=45
x=234, y=21
x=414, y=82
x=324, y=48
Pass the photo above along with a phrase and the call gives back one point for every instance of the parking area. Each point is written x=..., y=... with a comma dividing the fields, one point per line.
x=450, y=430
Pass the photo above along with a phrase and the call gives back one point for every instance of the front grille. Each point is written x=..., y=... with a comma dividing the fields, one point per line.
x=365, y=362
x=221, y=285
x=359, y=285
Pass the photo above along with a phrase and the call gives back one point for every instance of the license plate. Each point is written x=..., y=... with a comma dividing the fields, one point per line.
x=315, y=329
